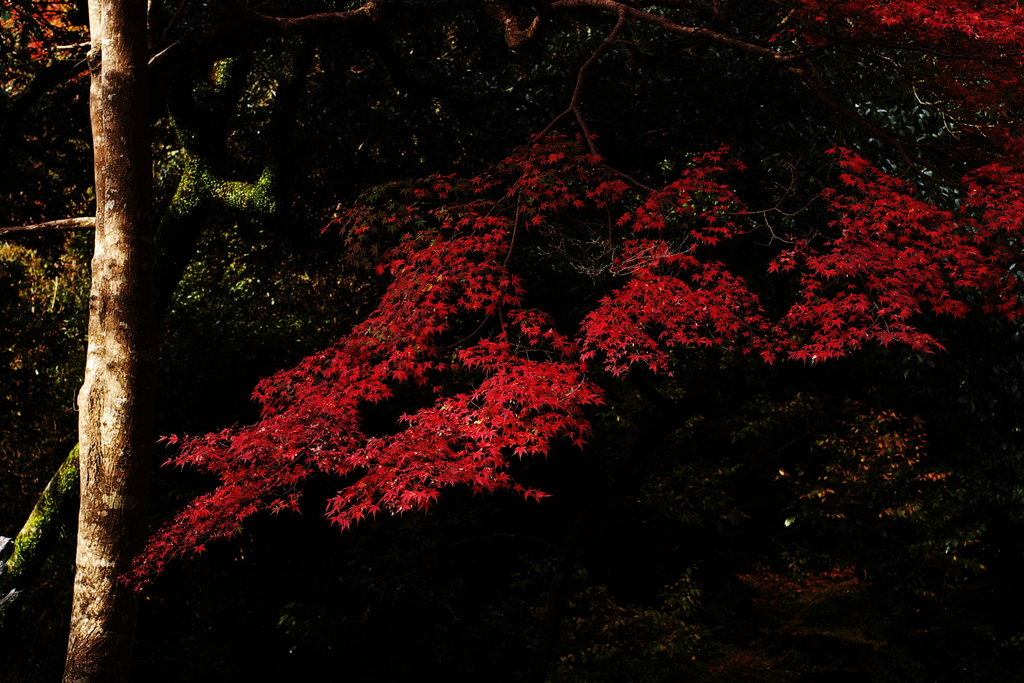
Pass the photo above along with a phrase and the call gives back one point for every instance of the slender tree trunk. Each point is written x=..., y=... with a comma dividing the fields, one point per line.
x=116, y=401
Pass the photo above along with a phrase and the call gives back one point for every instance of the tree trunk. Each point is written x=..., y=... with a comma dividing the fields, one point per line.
x=116, y=401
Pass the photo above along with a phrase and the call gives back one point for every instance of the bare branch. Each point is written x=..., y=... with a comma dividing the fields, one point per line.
x=365, y=16
x=518, y=31
x=63, y=225
x=577, y=93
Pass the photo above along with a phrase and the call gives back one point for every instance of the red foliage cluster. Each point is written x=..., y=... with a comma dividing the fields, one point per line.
x=897, y=256
x=517, y=383
x=676, y=296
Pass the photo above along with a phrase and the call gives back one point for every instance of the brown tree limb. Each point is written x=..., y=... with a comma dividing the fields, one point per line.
x=577, y=93
x=518, y=31
x=64, y=224
x=362, y=17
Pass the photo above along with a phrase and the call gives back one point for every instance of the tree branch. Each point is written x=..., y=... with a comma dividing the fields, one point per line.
x=63, y=225
x=518, y=32
x=577, y=93
x=365, y=16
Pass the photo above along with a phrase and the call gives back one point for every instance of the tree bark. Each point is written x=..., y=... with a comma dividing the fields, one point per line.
x=117, y=397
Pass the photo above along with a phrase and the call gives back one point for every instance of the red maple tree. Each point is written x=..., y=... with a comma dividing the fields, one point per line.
x=506, y=379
